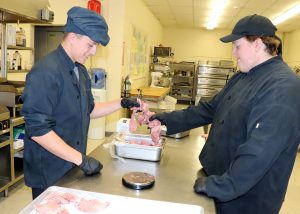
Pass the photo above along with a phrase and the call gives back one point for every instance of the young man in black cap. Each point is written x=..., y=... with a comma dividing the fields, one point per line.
x=58, y=104
x=251, y=148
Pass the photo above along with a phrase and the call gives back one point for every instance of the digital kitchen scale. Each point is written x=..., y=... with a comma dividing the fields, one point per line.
x=138, y=180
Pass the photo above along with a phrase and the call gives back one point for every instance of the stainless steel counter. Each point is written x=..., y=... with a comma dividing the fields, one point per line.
x=175, y=174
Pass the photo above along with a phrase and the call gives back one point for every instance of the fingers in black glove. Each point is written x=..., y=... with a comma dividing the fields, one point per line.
x=161, y=117
x=129, y=103
x=90, y=166
x=200, y=185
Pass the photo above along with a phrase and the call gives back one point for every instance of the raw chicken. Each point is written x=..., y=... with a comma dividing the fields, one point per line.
x=91, y=206
x=50, y=207
x=143, y=118
x=62, y=198
x=58, y=202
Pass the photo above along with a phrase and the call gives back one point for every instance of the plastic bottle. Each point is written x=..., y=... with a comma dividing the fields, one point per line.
x=8, y=64
x=20, y=37
x=17, y=60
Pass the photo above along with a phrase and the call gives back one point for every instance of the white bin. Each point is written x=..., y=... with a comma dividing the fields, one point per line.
x=97, y=126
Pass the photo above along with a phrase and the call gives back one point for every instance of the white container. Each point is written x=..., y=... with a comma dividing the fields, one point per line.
x=136, y=151
x=123, y=125
x=97, y=126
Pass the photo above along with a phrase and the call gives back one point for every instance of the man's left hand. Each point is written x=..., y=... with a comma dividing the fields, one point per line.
x=129, y=103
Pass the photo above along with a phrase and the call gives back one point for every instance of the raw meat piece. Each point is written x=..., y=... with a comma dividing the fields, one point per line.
x=139, y=142
x=91, y=206
x=62, y=198
x=143, y=118
x=50, y=207
x=155, y=126
x=132, y=123
x=71, y=197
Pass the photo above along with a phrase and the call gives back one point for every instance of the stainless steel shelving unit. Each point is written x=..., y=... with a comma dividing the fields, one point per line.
x=183, y=81
x=211, y=79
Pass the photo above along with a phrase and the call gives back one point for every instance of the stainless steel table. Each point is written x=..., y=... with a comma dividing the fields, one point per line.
x=175, y=175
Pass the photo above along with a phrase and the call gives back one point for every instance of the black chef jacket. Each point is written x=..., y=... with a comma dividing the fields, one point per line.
x=252, y=144
x=55, y=100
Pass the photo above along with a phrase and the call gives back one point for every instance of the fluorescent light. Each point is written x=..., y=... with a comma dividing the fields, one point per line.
x=217, y=7
x=288, y=14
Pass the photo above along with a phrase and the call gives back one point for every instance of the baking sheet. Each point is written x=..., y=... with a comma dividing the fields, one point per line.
x=119, y=204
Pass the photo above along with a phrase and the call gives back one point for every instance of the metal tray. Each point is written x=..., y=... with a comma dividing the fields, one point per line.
x=118, y=204
x=138, y=151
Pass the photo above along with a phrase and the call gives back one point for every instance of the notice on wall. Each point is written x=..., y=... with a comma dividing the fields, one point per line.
x=138, y=53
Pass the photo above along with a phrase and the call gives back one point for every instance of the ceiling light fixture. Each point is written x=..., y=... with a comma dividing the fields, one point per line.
x=217, y=8
x=286, y=15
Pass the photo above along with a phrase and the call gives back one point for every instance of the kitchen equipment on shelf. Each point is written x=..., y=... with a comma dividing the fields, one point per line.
x=17, y=61
x=211, y=78
x=183, y=81
x=20, y=37
x=126, y=87
x=162, y=51
x=4, y=119
x=10, y=96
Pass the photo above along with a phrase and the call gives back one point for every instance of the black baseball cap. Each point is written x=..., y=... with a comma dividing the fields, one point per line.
x=254, y=25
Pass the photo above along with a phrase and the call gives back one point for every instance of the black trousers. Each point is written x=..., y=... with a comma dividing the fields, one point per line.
x=37, y=191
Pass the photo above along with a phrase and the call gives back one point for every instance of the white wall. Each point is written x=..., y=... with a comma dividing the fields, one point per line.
x=194, y=44
x=115, y=58
x=61, y=7
x=138, y=16
x=291, y=48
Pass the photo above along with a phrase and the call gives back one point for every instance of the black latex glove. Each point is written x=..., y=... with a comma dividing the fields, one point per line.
x=129, y=103
x=161, y=117
x=89, y=165
x=200, y=186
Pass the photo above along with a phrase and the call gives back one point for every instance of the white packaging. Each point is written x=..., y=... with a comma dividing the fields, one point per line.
x=123, y=125
x=170, y=102
x=19, y=143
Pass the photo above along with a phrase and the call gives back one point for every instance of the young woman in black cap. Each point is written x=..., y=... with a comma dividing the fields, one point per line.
x=251, y=148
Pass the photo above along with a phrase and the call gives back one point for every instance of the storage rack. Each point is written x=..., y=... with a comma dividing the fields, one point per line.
x=183, y=81
x=6, y=155
x=11, y=168
x=211, y=78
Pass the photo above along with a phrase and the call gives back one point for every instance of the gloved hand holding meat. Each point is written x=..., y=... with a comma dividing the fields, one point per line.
x=161, y=117
x=90, y=166
x=129, y=103
x=143, y=114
